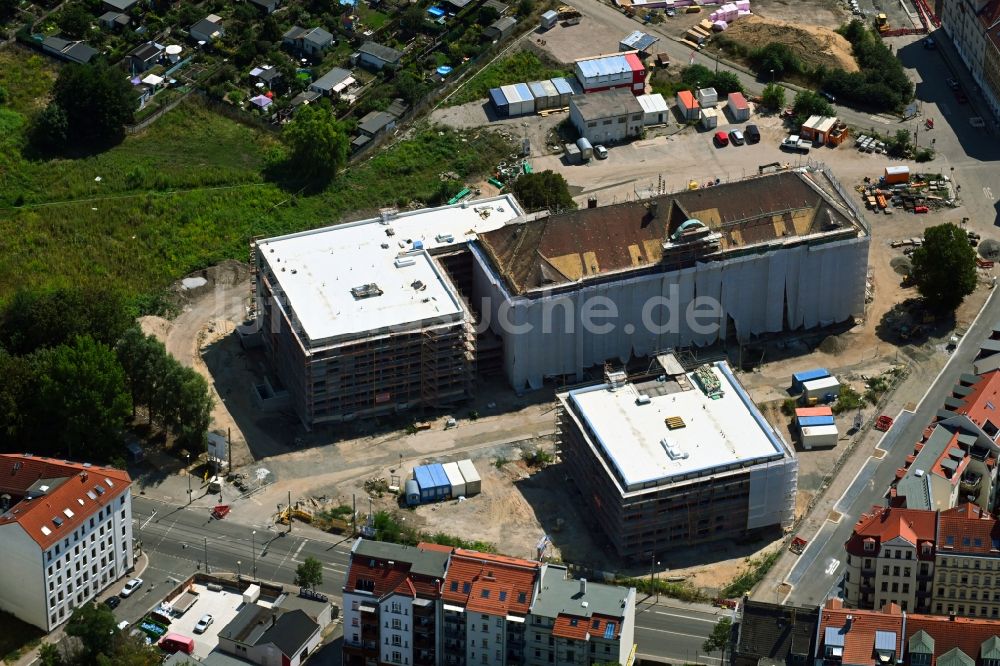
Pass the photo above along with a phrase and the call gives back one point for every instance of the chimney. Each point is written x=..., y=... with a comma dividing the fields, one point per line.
x=583, y=586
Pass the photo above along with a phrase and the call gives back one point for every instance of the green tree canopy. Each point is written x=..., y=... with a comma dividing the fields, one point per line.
x=98, y=102
x=83, y=387
x=944, y=267
x=319, y=143
x=773, y=97
x=309, y=573
x=544, y=189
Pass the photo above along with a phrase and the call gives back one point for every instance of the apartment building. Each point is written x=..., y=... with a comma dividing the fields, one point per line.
x=890, y=559
x=392, y=604
x=941, y=562
x=65, y=535
x=575, y=622
x=437, y=605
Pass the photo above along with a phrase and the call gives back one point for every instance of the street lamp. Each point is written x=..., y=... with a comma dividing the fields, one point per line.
x=187, y=460
x=253, y=551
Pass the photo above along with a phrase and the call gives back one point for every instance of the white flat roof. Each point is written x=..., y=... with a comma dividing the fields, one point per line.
x=716, y=433
x=317, y=269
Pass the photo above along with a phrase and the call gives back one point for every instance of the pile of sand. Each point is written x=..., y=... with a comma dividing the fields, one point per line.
x=812, y=44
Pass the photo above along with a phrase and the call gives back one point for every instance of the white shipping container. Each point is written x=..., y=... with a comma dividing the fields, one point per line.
x=455, y=479
x=817, y=388
x=473, y=484
x=814, y=437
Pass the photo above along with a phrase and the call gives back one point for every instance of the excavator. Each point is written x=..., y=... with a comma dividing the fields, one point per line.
x=882, y=23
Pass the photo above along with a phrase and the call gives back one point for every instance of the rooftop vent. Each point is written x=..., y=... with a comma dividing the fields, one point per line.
x=673, y=450
x=369, y=290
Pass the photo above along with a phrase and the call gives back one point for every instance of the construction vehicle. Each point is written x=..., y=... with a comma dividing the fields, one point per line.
x=882, y=23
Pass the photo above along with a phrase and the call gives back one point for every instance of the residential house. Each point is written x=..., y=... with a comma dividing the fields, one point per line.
x=65, y=535
x=267, y=6
x=71, y=51
x=376, y=56
x=392, y=604
x=774, y=634
x=208, y=29
x=267, y=636
x=576, y=622
x=309, y=42
x=974, y=28
x=120, y=5
x=143, y=57
x=114, y=20
x=890, y=559
x=334, y=82
x=502, y=28
x=606, y=117
x=890, y=635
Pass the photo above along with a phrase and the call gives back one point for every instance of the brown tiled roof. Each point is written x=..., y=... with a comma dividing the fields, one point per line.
x=492, y=584
x=567, y=247
x=859, y=639
x=74, y=492
x=968, y=529
x=883, y=524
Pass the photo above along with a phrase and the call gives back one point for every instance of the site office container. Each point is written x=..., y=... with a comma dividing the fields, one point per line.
x=455, y=481
x=473, y=483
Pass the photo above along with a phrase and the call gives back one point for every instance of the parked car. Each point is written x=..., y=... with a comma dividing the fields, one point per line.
x=203, y=624
x=112, y=602
x=752, y=134
x=721, y=139
x=131, y=587
x=952, y=83
x=600, y=152
x=736, y=137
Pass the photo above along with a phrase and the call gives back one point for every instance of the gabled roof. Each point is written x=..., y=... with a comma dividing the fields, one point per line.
x=492, y=584
x=51, y=498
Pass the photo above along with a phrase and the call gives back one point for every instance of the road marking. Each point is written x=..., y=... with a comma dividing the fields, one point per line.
x=687, y=617
x=989, y=194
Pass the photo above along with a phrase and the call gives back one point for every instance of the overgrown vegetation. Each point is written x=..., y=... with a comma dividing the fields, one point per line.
x=389, y=527
x=754, y=572
x=518, y=67
x=185, y=194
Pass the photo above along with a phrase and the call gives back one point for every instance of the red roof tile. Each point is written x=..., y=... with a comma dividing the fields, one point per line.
x=74, y=492
x=492, y=584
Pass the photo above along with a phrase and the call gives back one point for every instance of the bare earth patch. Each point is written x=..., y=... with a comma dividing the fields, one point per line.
x=814, y=45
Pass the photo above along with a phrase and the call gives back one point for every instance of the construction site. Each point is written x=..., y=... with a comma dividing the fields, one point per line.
x=670, y=459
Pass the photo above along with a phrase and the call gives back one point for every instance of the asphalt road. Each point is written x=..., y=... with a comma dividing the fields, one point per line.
x=819, y=569
x=177, y=538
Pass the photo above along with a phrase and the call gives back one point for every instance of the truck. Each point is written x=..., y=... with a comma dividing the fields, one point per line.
x=795, y=144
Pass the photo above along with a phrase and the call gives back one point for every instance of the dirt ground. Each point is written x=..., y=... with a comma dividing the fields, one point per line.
x=815, y=45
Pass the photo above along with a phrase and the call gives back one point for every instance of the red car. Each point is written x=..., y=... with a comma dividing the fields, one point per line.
x=721, y=139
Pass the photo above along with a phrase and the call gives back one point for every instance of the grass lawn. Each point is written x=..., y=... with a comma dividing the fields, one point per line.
x=520, y=67
x=189, y=192
x=16, y=637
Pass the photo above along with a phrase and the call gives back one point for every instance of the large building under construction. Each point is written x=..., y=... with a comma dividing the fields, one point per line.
x=675, y=458
x=386, y=314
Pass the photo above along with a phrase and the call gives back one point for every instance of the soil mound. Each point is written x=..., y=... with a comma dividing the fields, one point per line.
x=812, y=44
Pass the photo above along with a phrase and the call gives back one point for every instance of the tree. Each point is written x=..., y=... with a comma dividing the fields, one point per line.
x=40, y=318
x=98, y=102
x=545, y=189
x=95, y=626
x=944, y=267
x=83, y=388
x=309, y=573
x=74, y=21
x=773, y=97
x=720, y=637
x=808, y=103
x=319, y=143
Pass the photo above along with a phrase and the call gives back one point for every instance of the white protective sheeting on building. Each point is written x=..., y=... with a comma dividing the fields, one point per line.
x=810, y=285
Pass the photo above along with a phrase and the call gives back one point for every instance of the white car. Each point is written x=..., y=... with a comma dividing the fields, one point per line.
x=203, y=624
x=600, y=152
x=131, y=587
